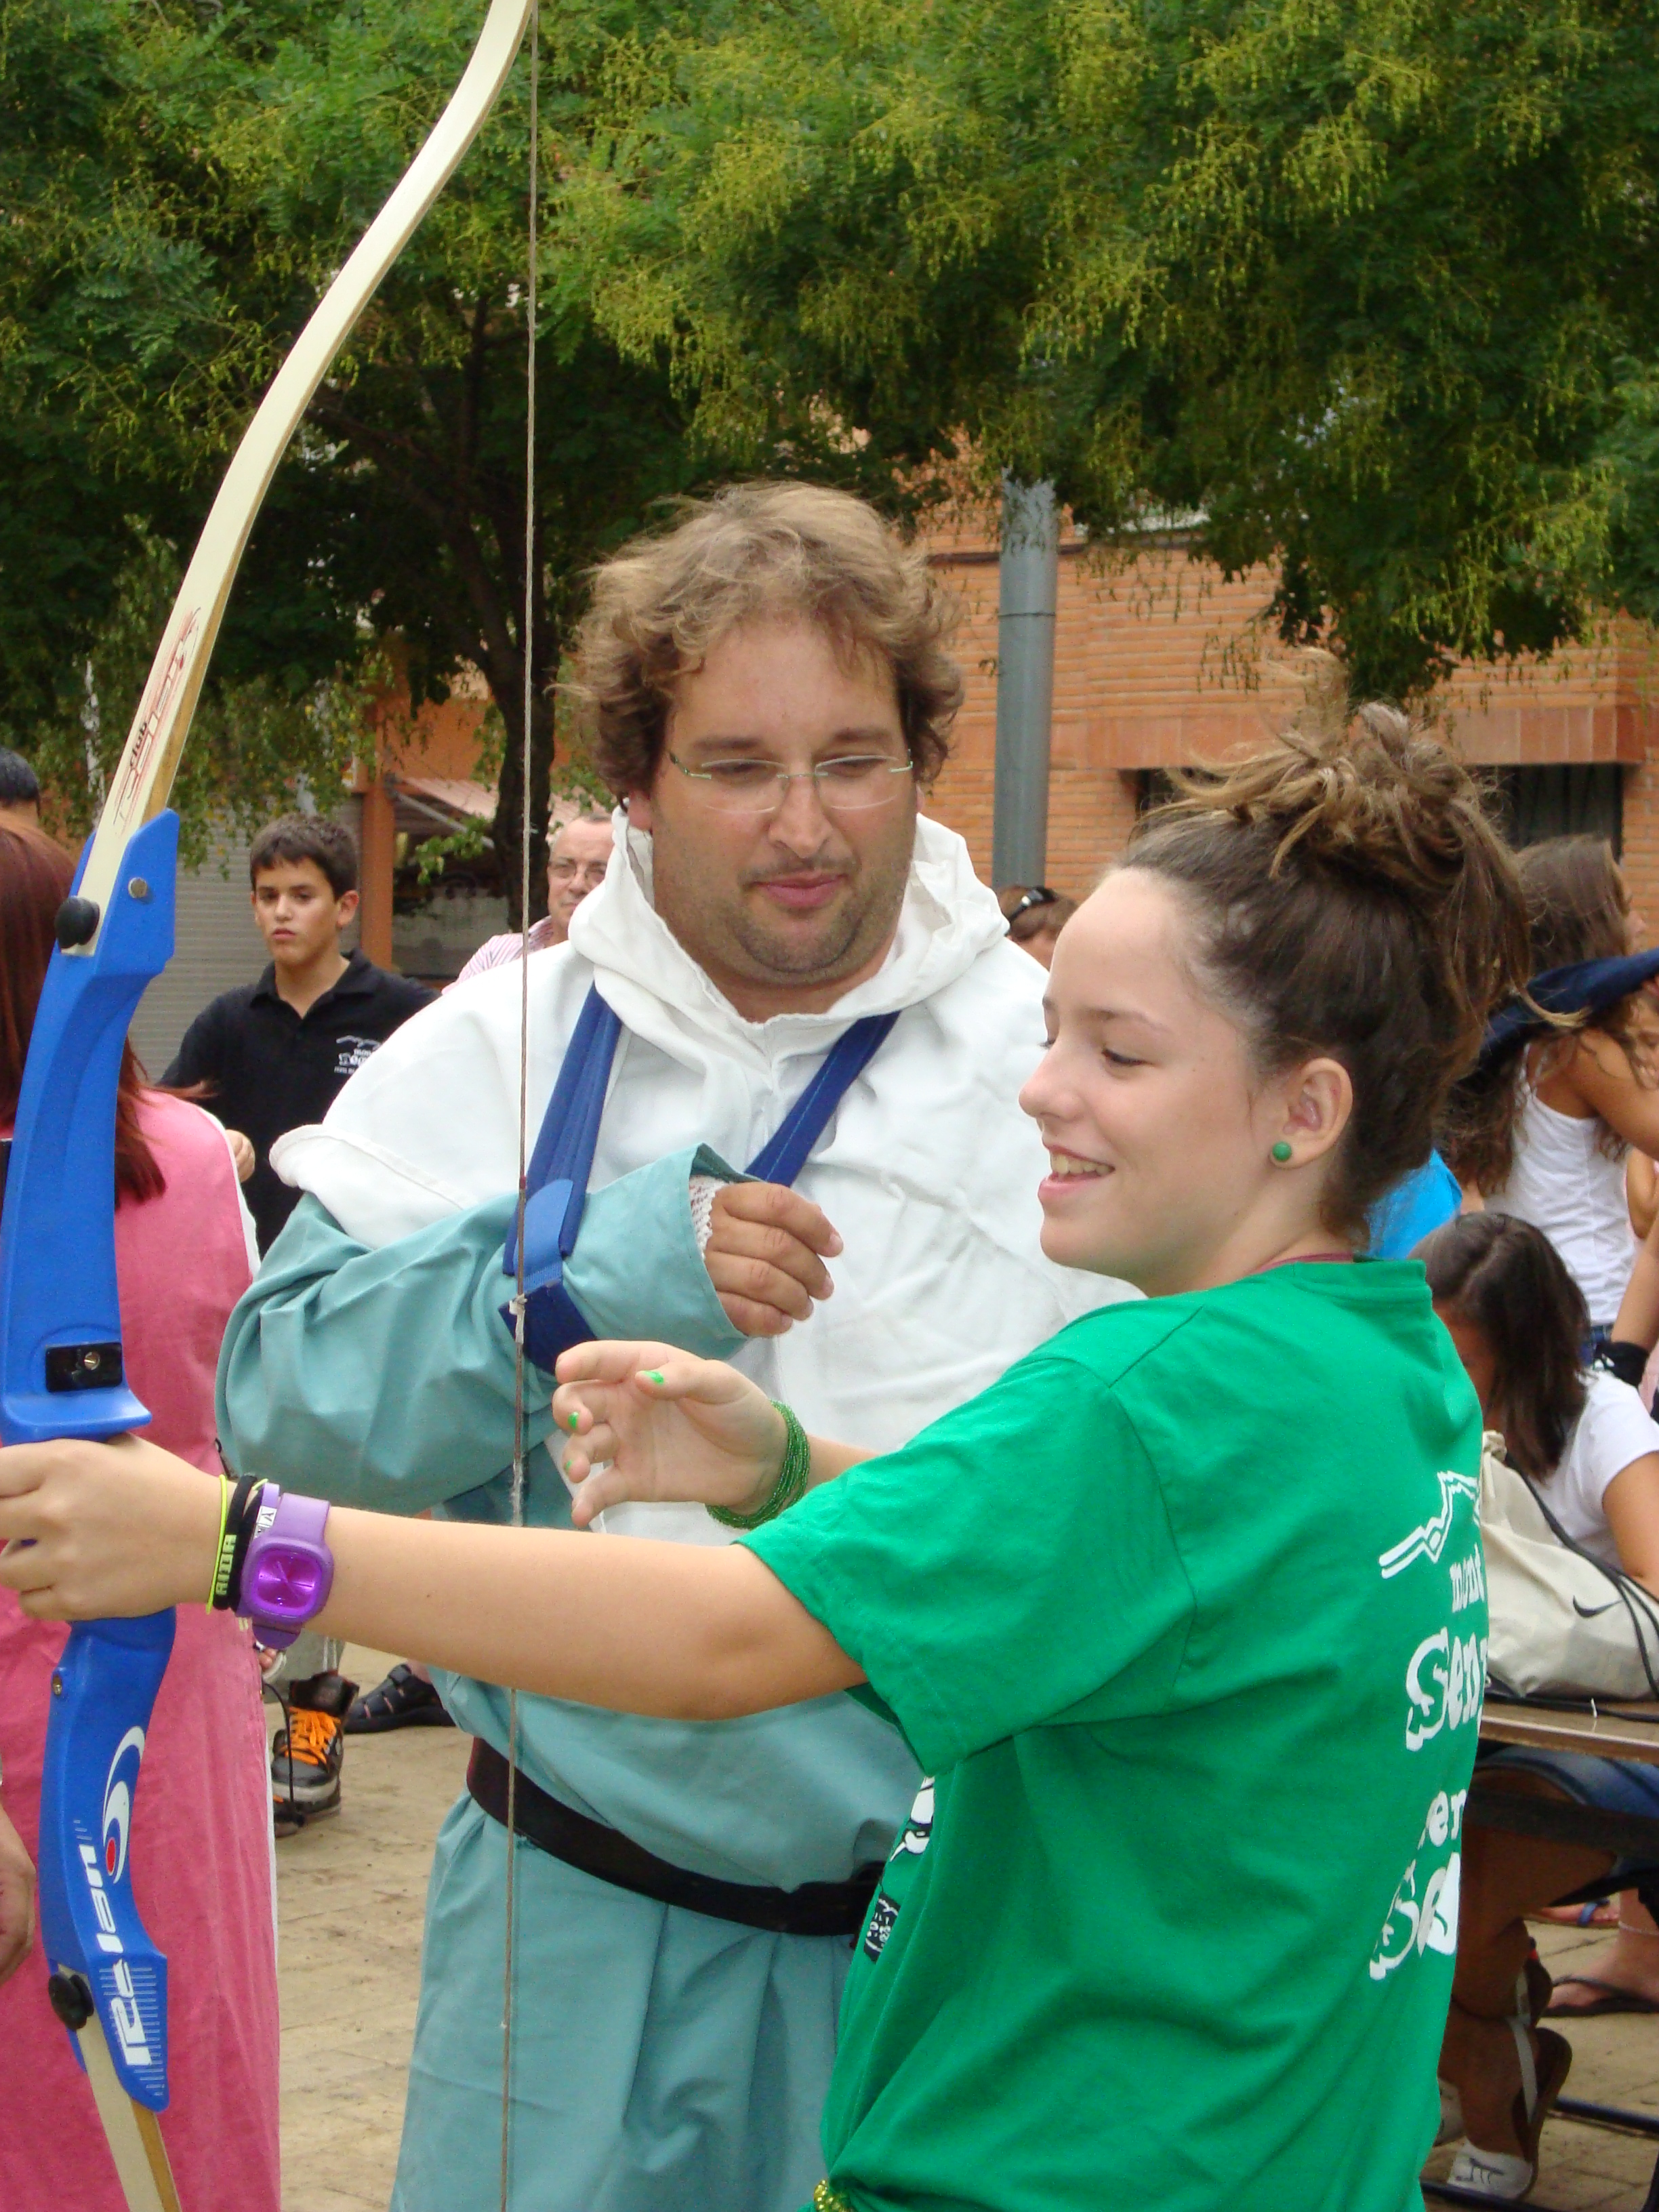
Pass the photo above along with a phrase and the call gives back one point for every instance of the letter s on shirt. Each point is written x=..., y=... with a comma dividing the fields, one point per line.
x=1445, y=1682
x=1427, y=1675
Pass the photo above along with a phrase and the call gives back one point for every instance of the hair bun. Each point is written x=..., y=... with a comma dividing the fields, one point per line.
x=1353, y=895
x=1379, y=797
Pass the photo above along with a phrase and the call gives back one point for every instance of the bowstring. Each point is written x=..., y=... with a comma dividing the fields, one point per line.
x=527, y=651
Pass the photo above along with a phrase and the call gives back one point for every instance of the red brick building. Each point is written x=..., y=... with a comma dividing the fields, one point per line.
x=1162, y=662
x=1158, y=662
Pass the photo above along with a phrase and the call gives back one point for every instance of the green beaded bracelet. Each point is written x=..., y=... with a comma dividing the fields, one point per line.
x=792, y=1477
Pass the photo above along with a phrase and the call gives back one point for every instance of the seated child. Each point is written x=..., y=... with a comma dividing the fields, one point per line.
x=1520, y=1325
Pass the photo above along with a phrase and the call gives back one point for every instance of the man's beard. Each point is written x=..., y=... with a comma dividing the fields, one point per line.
x=775, y=953
x=726, y=925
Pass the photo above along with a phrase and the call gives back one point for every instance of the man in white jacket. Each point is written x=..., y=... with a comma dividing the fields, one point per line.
x=769, y=693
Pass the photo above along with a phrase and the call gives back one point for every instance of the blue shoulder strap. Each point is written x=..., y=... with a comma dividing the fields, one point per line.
x=555, y=1182
x=557, y=1175
x=571, y=1127
x=782, y=1159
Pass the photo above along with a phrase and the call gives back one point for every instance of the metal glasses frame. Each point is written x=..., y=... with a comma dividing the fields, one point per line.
x=782, y=778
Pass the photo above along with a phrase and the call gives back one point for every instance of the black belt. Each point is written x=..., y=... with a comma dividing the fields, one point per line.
x=817, y=1908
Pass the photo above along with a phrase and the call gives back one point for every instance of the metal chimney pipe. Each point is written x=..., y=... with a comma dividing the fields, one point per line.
x=1027, y=582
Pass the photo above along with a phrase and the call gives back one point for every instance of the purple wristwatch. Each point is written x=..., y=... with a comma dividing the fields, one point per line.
x=288, y=1571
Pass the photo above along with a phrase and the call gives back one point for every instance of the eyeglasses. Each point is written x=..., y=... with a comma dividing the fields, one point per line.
x=591, y=872
x=847, y=785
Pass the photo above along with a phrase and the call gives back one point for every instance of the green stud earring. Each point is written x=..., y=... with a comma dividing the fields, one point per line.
x=1282, y=1152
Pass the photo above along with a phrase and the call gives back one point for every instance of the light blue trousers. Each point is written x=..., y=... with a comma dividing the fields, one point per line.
x=662, y=2061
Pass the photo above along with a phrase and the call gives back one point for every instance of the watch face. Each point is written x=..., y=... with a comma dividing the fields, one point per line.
x=289, y=1582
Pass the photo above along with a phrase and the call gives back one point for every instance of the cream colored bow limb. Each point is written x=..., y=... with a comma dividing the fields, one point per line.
x=144, y=779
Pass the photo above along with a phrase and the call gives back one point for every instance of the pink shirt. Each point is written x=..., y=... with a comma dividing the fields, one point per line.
x=201, y=1828
x=498, y=952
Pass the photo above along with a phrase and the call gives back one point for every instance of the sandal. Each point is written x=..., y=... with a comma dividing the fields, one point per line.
x=402, y=1700
x=1531, y=1997
x=1502, y=2174
x=1615, y=1997
x=1600, y=1912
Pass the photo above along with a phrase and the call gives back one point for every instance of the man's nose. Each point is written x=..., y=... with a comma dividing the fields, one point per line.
x=800, y=824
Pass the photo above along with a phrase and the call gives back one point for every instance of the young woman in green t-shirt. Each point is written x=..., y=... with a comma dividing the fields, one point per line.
x=1179, y=1615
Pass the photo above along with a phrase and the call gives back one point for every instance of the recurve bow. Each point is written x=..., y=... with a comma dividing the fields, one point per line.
x=60, y=1324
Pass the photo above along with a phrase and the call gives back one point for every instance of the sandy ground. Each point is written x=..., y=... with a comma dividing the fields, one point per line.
x=351, y=1891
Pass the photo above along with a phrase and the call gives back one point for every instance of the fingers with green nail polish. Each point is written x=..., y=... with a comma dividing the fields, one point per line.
x=653, y=1375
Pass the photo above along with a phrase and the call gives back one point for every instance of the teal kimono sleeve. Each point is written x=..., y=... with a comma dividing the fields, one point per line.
x=637, y=1270
x=385, y=1378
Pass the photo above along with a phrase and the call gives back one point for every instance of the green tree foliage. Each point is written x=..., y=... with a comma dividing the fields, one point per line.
x=125, y=356
x=189, y=176
x=1365, y=288
x=1361, y=288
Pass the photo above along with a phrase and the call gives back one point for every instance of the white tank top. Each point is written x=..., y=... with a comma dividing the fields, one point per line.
x=1563, y=1184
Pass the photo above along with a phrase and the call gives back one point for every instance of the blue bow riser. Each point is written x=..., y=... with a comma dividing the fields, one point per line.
x=96, y=1946
x=60, y=1312
x=62, y=1375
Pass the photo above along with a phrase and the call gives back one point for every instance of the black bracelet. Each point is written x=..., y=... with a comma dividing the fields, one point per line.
x=240, y=1524
x=1626, y=1361
x=221, y=1572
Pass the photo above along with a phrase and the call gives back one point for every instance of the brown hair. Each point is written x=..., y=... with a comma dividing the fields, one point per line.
x=35, y=875
x=1577, y=908
x=295, y=837
x=1354, y=899
x=1506, y=1278
x=759, y=549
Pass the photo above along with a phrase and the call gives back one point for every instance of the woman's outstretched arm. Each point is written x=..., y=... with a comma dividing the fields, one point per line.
x=683, y=1632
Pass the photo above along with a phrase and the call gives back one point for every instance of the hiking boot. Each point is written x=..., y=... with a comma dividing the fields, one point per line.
x=402, y=1700
x=307, y=1756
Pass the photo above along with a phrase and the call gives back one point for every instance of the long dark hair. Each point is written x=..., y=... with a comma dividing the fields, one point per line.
x=35, y=875
x=1508, y=1279
x=1352, y=897
x=1577, y=908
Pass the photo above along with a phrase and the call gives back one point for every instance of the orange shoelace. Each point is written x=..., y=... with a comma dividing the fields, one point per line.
x=309, y=1736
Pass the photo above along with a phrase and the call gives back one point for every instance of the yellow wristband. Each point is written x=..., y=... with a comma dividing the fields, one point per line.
x=219, y=1548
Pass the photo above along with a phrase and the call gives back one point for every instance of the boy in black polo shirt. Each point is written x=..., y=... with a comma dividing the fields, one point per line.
x=273, y=1056
x=275, y=1053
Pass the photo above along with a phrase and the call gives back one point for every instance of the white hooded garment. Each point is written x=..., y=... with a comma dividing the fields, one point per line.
x=928, y=1169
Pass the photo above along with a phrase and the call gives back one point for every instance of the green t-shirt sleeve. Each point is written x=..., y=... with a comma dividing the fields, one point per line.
x=1011, y=1566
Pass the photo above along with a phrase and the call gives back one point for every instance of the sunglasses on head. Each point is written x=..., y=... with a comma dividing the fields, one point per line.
x=1039, y=895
